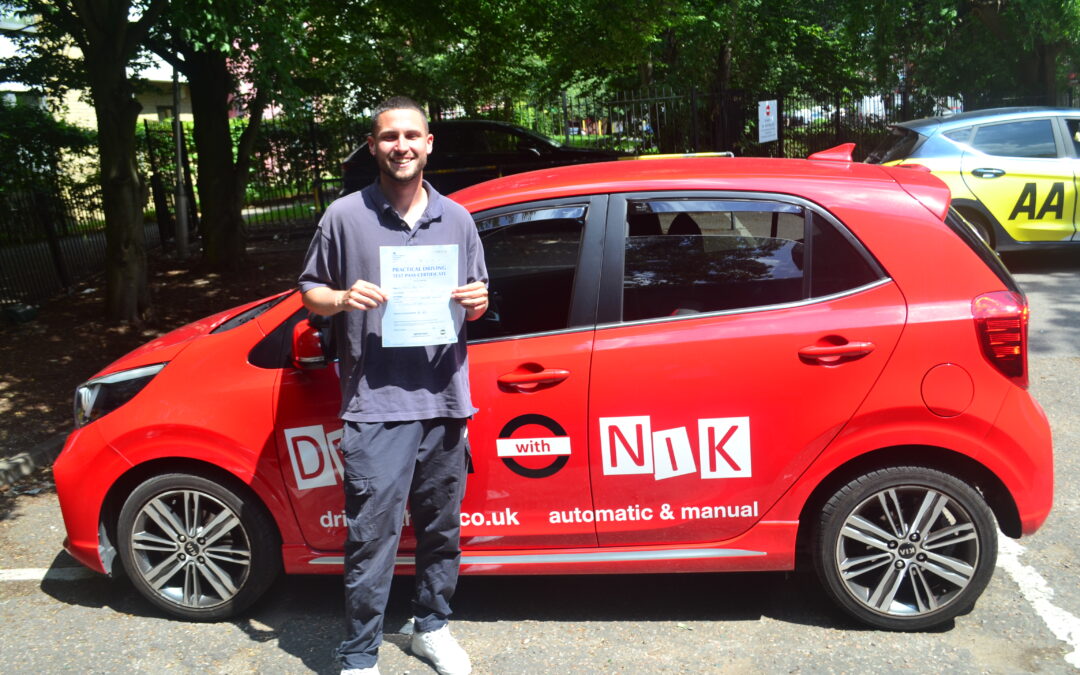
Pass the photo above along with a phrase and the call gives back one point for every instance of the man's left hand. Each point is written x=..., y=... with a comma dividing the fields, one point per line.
x=473, y=297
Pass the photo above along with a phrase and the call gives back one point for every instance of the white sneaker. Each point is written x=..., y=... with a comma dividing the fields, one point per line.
x=373, y=670
x=444, y=652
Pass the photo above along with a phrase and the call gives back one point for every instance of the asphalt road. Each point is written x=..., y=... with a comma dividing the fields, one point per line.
x=1026, y=622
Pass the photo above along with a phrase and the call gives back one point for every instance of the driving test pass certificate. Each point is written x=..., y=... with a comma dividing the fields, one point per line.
x=418, y=281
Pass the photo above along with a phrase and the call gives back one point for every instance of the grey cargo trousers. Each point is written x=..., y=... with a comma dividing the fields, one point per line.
x=388, y=464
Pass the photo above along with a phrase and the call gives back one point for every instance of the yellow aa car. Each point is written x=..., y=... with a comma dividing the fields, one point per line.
x=1013, y=172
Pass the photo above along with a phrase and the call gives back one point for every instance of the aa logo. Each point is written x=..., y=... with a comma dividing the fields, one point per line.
x=1053, y=204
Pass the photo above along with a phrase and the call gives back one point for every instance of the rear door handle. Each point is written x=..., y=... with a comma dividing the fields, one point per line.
x=988, y=173
x=835, y=353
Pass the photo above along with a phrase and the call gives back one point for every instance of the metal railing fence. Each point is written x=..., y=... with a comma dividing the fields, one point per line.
x=51, y=236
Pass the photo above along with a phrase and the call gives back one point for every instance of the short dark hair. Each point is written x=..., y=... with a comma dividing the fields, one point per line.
x=396, y=103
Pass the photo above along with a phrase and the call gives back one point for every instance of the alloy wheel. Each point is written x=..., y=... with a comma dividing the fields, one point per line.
x=907, y=551
x=191, y=549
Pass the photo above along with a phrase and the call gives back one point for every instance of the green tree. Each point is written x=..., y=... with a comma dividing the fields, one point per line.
x=33, y=143
x=107, y=35
x=242, y=54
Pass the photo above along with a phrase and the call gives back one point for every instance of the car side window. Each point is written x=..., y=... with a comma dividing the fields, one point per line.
x=1026, y=138
x=532, y=257
x=1073, y=126
x=961, y=135
x=496, y=140
x=686, y=257
x=453, y=140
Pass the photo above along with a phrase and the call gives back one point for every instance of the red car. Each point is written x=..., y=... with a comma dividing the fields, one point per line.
x=689, y=365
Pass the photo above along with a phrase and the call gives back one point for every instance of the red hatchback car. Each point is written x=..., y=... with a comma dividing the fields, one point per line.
x=688, y=365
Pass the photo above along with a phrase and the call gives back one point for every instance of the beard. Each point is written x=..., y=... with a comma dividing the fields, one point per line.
x=402, y=174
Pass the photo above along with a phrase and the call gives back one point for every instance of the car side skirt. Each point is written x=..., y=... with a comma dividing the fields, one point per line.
x=769, y=546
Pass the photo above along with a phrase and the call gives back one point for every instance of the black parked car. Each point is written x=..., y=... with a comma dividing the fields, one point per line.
x=467, y=152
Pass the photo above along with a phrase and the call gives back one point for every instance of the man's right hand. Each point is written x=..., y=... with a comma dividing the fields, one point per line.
x=362, y=295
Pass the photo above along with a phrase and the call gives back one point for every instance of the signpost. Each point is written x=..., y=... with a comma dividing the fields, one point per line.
x=766, y=121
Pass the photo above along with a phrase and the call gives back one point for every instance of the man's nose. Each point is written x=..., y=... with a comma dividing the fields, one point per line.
x=401, y=144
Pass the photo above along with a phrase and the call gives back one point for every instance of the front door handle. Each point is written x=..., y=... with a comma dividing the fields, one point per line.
x=835, y=353
x=988, y=173
x=528, y=380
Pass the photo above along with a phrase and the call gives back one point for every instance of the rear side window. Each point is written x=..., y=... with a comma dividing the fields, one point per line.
x=962, y=135
x=899, y=144
x=1027, y=138
x=691, y=256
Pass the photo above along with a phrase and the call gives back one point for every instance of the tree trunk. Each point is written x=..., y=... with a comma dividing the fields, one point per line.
x=1048, y=60
x=221, y=182
x=127, y=294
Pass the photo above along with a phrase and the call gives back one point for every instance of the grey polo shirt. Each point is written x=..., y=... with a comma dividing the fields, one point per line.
x=397, y=383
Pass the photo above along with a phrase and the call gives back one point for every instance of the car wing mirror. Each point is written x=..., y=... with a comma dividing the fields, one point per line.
x=307, y=346
x=529, y=150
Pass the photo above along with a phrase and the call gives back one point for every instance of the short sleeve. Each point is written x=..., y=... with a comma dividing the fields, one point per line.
x=319, y=268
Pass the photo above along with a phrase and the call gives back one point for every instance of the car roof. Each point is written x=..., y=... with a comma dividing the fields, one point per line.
x=981, y=116
x=435, y=124
x=821, y=181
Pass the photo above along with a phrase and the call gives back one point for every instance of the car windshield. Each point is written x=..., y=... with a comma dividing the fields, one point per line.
x=899, y=144
x=541, y=138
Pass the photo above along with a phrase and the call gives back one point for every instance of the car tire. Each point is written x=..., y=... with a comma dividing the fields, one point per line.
x=905, y=548
x=981, y=225
x=197, y=548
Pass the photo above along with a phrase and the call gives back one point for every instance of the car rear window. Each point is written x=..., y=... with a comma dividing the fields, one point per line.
x=966, y=231
x=899, y=144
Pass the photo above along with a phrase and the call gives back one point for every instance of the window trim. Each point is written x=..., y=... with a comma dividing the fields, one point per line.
x=609, y=308
x=748, y=310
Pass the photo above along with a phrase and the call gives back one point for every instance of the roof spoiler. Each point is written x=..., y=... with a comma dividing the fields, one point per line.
x=841, y=153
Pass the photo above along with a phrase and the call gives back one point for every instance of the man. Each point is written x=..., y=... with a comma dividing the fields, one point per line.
x=404, y=407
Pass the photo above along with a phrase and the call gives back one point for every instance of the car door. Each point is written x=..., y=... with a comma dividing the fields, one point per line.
x=1070, y=127
x=1020, y=172
x=529, y=367
x=738, y=336
x=529, y=362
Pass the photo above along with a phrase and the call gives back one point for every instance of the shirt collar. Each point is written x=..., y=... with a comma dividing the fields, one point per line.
x=433, y=210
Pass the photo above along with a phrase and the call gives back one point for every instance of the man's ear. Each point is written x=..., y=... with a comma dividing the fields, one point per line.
x=371, y=144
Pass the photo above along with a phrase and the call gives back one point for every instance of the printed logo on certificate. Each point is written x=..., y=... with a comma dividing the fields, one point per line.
x=418, y=281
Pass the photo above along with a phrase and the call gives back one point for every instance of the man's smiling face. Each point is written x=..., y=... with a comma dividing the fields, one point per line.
x=401, y=144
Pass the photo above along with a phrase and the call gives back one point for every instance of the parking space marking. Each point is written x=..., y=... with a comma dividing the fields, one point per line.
x=50, y=574
x=1064, y=625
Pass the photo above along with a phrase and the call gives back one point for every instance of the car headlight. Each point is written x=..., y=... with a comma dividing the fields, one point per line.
x=102, y=395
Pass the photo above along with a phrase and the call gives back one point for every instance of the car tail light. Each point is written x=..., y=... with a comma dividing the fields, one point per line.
x=1001, y=320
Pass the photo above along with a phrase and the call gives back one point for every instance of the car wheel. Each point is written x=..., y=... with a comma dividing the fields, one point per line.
x=905, y=548
x=196, y=548
x=981, y=225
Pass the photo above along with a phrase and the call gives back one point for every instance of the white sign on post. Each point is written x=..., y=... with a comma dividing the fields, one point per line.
x=766, y=113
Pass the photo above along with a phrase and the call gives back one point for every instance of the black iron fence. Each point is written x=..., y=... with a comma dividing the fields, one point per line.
x=52, y=237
